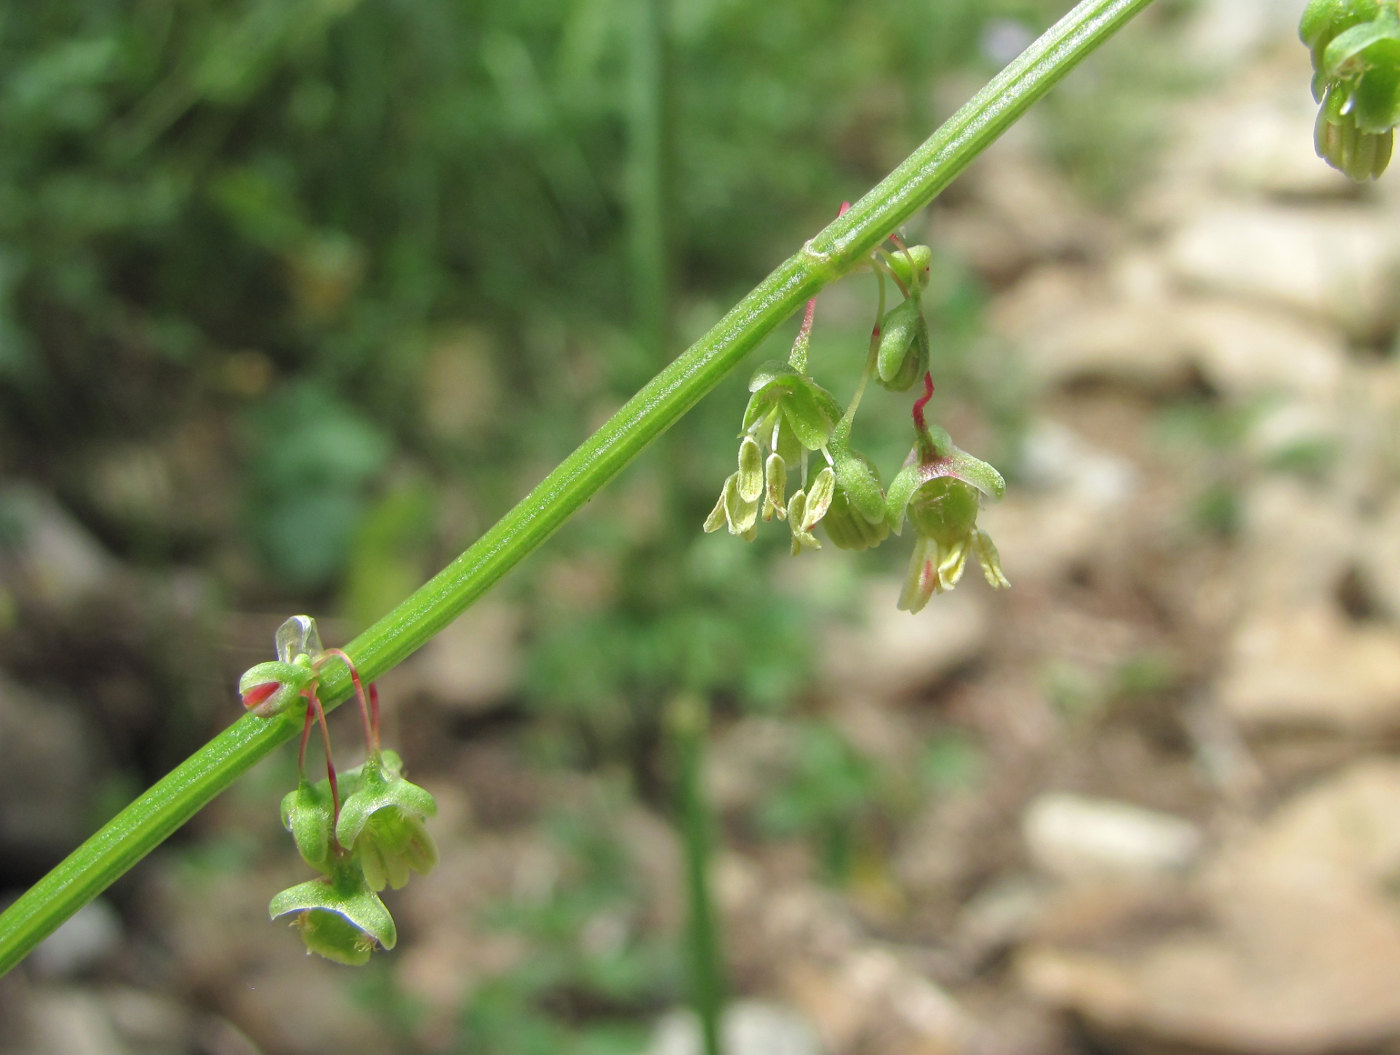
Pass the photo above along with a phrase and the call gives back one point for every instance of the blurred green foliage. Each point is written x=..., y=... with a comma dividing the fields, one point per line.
x=592, y=968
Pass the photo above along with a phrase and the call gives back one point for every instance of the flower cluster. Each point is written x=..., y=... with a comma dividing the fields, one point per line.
x=362, y=829
x=1355, y=47
x=790, y=419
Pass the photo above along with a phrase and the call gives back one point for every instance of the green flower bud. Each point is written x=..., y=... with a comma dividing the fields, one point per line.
x=902, y=355
x=1340, y=141
x=270, y=688
x=911, y=265
x=306, y=813
x=856, y=519
x=847, y=528
x=339, y=917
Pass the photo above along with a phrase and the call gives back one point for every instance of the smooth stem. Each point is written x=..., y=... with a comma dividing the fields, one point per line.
x=844, y=242
x=689, y=728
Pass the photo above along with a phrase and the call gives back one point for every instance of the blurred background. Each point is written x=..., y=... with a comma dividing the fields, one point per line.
x=297, y=299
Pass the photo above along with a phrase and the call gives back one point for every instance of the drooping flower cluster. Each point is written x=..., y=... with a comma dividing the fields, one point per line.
x=1355, y=47
x=362, y=829
x=790, y=418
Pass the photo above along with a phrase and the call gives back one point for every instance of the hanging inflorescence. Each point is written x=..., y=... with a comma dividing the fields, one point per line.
x=362, y=829
x=1355, y=48
x=795, y=431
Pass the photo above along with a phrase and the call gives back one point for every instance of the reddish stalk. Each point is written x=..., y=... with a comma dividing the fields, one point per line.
x=371, y=725
x=919, y=424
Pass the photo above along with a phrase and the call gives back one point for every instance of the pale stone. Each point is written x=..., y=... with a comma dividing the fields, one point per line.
x=473, y=664
x=749, y=1027
x=1064, y=508
x=1076, y=838
x=1294, y=950
x=1334, y=262
x=1298, y=539
x=1309, y=668
x=891, y=654
x=1245, y=351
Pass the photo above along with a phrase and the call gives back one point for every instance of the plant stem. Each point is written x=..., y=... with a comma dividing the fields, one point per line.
x=843, y=243
x=689, y=728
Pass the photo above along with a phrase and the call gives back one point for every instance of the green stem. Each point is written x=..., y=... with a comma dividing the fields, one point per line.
x=838, y=247
x=689, y=727
x=648, y=168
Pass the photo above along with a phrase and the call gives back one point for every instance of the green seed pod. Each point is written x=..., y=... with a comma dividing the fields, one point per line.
x=902, y=356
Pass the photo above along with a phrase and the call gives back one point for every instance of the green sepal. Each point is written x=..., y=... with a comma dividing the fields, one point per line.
x=381, y=785
x=339, y=916
x=810, y=410
x=770, y=373
x=382, y=823
x=1355, y=50
x=859, y=482
x=902, y=356
x=1322, y=20
x=1376, y=102
x=307, y=814
x=933, y=459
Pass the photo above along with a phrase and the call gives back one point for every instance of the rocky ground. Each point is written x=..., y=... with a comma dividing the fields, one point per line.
x=1180, y=831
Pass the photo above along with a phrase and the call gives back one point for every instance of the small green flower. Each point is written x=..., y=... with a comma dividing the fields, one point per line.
x=940, y=490
x=339, y=917
x=787, y=416
x=381, y=823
